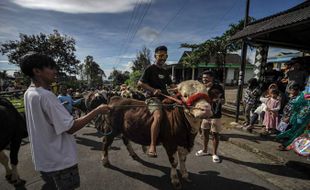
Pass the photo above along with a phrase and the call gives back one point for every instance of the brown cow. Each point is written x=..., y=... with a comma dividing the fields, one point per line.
x=179, y=125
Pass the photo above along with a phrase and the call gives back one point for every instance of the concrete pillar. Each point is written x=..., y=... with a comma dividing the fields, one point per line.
x=183, y=73
x=173, y=73
x=193, y=73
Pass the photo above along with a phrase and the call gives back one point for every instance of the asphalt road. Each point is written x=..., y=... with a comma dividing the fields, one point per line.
x=147, y=173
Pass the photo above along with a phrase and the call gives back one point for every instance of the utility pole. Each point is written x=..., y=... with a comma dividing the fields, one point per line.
x=243, y=62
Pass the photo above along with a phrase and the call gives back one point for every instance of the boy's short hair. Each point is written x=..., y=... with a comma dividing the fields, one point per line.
x=35, y=60
x=208, y=72
x=161, y=48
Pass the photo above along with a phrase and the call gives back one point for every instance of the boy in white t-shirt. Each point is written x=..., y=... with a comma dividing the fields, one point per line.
x=50, y=126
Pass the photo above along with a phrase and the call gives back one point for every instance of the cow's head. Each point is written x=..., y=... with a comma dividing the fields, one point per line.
x=194, y=95
x=94, y=99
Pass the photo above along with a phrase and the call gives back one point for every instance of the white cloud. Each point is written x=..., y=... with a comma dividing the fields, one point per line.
x=171, y=62
x=148, y=34
x=127, y=56
x=81, y=6
x=127, y=66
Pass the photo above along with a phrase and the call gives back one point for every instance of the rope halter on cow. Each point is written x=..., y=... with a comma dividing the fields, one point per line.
x=195, y=97
x=190, y=101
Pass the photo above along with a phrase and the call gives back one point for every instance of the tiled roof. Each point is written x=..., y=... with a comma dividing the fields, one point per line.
x=297, y=14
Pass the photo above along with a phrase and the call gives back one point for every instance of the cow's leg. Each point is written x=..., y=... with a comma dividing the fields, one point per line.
x=15, y=177
x=14, y=149
x=173, y=173
x=182, y=153
x=106, y=142
x=129, y=148
x=144, y=149
x=4, y=160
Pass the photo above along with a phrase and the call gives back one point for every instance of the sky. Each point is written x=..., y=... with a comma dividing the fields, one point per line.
x=113, y=31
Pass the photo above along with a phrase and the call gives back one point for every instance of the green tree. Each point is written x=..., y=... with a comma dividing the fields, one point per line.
x=142, y=60
x=133, y=78
x=60, y=47
x=118, y=77
x=3, y=74
x=92, y=71
x=217, y=47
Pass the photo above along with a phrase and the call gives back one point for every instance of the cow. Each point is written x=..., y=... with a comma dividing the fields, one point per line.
x=178, y=129
x=13, y=129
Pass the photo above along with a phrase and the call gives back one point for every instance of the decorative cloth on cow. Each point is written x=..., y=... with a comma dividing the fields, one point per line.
x=299, y=119
x=52, y=148
x=157, y=78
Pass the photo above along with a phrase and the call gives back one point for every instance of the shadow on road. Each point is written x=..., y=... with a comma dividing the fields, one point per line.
x=256, y=139
x=95, y=145
x=280, y=170
x=95, y=134
x=202, y=181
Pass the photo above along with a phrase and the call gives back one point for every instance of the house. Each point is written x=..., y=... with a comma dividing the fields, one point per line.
x=183, y=71
x=281, y=58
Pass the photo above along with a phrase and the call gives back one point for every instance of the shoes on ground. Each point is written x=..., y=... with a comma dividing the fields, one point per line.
x=201, y=153
x=215, y=158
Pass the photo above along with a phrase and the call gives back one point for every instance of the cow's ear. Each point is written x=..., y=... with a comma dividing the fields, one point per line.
x=179, y=87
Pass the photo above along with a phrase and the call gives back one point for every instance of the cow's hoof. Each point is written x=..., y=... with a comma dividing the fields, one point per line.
x=177, y=185
x=19, y=183
x=8, y=177
x=144, y=149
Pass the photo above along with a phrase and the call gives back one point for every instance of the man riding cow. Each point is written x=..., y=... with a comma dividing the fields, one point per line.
x=132, y=120
x=154, y=79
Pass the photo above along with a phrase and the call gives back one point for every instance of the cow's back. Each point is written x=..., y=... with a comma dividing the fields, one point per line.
x=132, y=118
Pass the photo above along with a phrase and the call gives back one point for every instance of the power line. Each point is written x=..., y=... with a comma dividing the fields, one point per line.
x=131, y=37
x=224, y=15
x=138, y=26
x=129, y=27
x=172, y=18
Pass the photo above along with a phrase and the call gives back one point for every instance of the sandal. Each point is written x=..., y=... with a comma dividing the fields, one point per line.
x=201, y=153
x=215, y=158
x=152, y=154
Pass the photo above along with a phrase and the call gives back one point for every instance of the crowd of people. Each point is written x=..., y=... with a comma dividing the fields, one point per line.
x=281, y=103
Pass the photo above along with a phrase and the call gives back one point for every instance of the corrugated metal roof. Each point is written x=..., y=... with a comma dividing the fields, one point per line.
x=297, y=14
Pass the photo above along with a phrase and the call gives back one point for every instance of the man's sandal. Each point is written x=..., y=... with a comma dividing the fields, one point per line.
x=201, y=153
x=215, y=158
